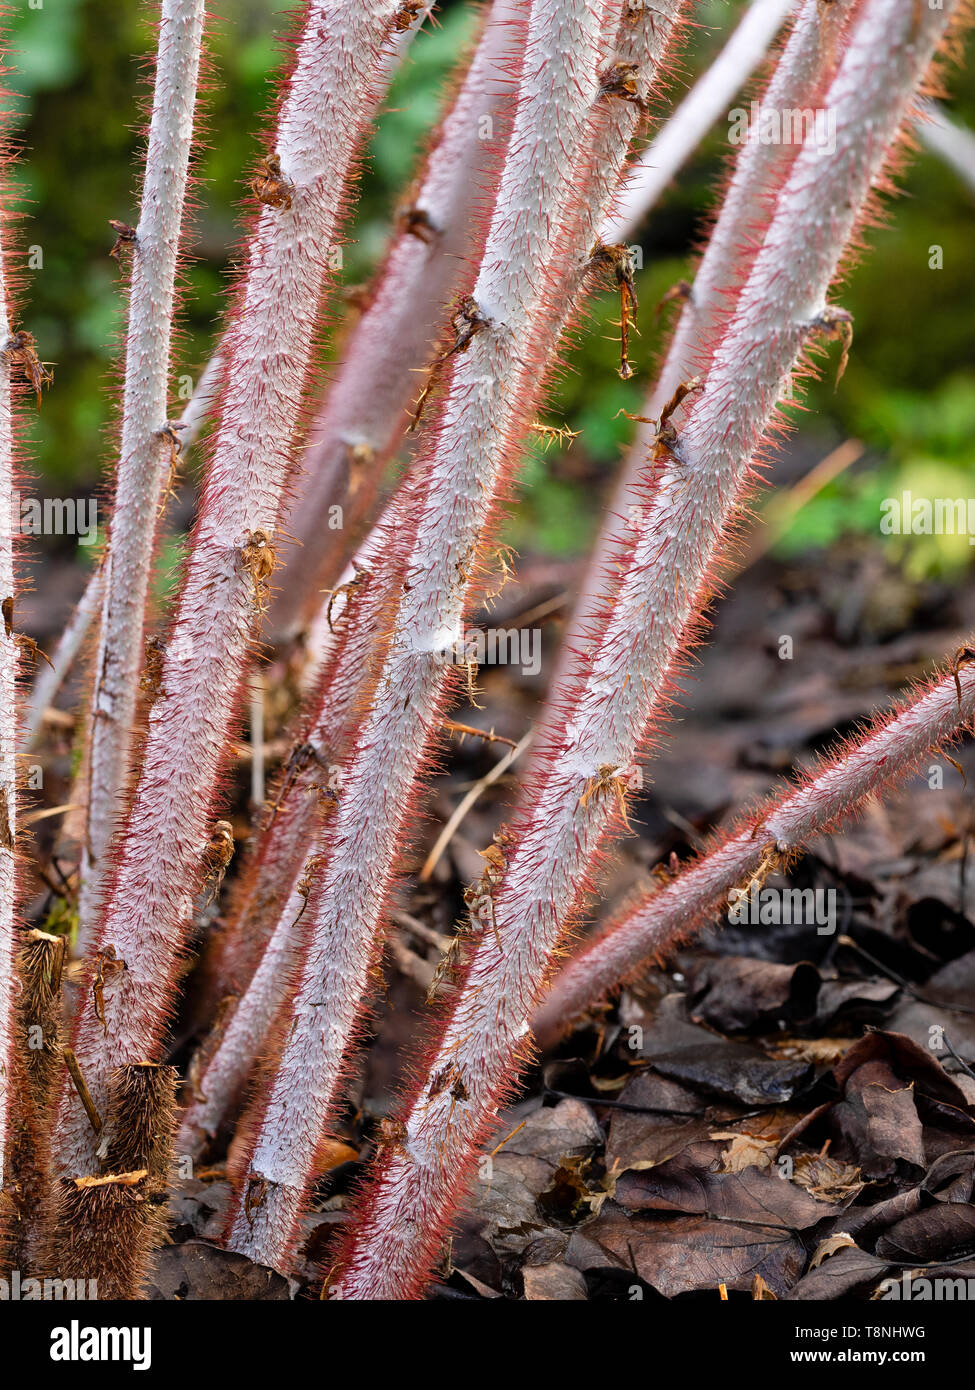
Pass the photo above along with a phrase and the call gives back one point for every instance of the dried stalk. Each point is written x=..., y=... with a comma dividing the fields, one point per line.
x=36, y=1062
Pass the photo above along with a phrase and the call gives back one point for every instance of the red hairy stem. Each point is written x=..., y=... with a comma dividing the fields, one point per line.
x=579, y=795
x=50, y=678
x=147, y=442
x=706, y=103
x=9, y=668
x=798, y=82
x=254, y=959
x=365, y=412
x=953, y=143
x=655, y=924
x=169, y=847
x=352, y=626
x=504, y=333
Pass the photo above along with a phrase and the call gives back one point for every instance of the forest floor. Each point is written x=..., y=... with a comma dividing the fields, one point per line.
x=781, y=1111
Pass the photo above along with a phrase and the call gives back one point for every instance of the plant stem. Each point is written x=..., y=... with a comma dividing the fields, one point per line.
x=655, y=924
x=167, y=847
x=365, y=412
x=798, y=82
x=145, y=448
x=705, y=104
x=467, y=456
x=578, y=794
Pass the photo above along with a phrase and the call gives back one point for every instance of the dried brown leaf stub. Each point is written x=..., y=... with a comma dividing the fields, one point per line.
x=216, y=857
x=417, y=222
x=150, y=682
x=300, y=757
x=479, y=901
x=607, y=781
x=666, y=435
x=260, y=561
x=619, y=262
x=678, y=293
x=254, y=1196
x=466, y=322
x=622, y=81
x=407, y=14
x=103, y=1232
x=81, y=1086
x=836, y=325
x=269, y=185
x=361, y=577
x=964, y=656
x=169, y=435
x=31, y=650
x=20, y=350
x=107, y=965
x=124, y=241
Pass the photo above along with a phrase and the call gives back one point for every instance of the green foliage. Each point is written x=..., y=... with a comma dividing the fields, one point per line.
x=84, y=101
x=921, y=444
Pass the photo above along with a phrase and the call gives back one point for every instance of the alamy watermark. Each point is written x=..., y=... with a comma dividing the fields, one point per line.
x=18, y=1289
x=913, y=1288
x=756, y=906
x=77, y=1343
x=812, y=126
x=494, y=646
x=908, y=515
x=56, y=516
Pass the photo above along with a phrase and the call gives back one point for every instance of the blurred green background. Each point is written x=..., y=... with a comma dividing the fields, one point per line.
x=79, y=76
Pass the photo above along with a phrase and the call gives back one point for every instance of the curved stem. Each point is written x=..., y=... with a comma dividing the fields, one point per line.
x=655, y=924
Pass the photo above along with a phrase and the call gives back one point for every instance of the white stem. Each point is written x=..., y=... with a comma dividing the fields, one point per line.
x=260, y=948
x=462, y=469
x=144, y=451
x=797, y=83
x=50, y=678
x=705, y=104
x=366, y=407
x=953, y=143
